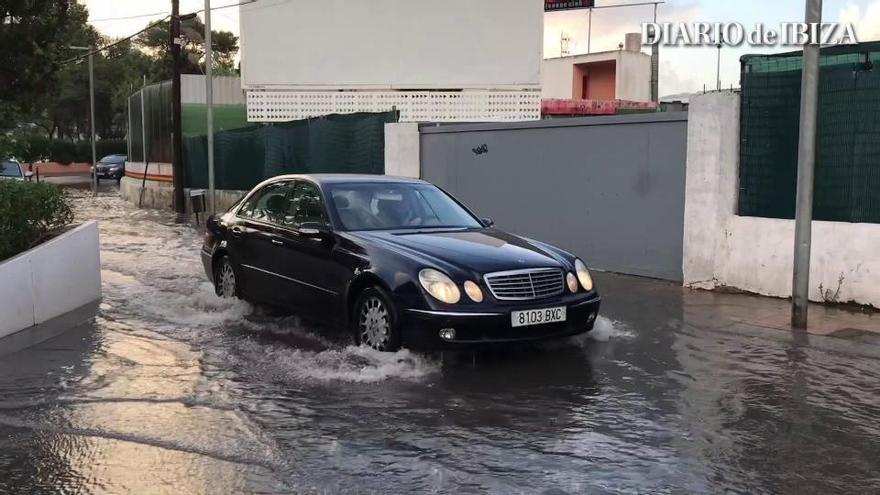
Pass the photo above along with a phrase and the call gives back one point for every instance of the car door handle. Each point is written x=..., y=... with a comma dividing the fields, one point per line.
x=237, y=231
x=277, y=242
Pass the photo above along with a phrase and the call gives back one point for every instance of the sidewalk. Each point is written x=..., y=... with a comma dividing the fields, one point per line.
x=657, y=301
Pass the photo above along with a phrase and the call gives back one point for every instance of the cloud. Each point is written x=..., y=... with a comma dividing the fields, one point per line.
x=866, y=20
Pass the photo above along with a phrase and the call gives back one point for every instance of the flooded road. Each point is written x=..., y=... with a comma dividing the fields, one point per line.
x=172, y=390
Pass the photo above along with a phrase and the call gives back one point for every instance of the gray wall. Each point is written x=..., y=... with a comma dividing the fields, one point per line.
x=609, y=189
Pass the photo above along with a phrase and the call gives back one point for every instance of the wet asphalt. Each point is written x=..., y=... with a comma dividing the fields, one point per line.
x=172, y=390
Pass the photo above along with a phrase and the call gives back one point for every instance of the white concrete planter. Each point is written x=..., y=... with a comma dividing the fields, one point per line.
x=54, y=281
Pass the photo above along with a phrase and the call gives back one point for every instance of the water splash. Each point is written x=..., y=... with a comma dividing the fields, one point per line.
x=606, y=329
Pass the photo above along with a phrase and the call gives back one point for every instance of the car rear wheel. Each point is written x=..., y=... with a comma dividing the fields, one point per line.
x=375, y=321
x=225, y=283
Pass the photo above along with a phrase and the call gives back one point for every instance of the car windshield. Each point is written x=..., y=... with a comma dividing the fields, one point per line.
x=390, y=206
x=9, y=169
x=113, y=160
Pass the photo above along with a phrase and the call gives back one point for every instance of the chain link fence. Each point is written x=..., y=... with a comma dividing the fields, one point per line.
x=847, y=180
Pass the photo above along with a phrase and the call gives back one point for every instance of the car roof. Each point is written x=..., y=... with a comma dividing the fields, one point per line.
x=323, y=179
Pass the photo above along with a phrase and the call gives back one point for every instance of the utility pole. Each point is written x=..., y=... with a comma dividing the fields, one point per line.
x=209, y=100
x=176, y=132
x=718, y=72
x=91, y=50
x=92, y=111
x=655, y=65
x=590, y=30
x=800, y=287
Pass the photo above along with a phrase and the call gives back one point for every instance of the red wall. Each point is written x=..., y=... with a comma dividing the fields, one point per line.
x=601, y=81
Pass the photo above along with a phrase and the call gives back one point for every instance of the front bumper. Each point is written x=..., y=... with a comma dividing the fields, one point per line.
x=421, y=328
x=108, y=174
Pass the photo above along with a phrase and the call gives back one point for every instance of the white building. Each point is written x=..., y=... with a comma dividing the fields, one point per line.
x=623, y=74
x=436, y=61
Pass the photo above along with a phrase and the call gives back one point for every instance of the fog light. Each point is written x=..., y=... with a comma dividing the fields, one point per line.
x=591, y=318
x=447, y=334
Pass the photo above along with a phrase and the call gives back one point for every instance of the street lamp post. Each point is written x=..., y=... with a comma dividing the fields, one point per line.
x=92, y=114
x=209, y=100
x=800, y=287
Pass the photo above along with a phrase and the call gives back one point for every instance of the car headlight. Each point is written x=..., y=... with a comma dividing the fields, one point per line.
x=572, y=282
x=583, y=275
x=473, y=291
x=439, y=285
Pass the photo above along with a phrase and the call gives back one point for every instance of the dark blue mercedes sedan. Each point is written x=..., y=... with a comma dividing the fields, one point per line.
x=399, y=261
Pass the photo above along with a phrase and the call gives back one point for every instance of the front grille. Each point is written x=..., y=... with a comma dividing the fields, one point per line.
x=524, y=285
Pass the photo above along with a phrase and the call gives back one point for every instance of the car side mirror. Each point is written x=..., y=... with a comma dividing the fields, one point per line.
x=314, y=230
x=488, y=222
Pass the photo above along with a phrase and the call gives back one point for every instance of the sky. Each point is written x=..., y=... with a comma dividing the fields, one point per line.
x=682, y=70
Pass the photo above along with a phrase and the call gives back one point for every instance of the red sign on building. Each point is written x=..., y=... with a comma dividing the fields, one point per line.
x=554, y=5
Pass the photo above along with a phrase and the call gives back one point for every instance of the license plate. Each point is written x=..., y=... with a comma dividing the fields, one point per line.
x=531, y=317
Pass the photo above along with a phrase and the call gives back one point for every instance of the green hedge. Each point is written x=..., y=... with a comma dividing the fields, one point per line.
x=29, y=213
x=34, y=148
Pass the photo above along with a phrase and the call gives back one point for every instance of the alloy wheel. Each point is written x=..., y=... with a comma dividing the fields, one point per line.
x=225, y=280
x=374, y=324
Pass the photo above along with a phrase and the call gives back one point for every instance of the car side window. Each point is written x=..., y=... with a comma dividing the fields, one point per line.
x=305, y=206
x=267, y=204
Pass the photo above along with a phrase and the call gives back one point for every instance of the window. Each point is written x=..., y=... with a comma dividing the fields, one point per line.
x=267, y=204
x=305, y=206
x=390, y=206
x=9, y=168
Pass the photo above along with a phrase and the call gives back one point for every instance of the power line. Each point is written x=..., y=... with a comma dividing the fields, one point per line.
x=153, y=14
x=149, y=26
x=226, y=6
x=136, y=16
x=111, y=45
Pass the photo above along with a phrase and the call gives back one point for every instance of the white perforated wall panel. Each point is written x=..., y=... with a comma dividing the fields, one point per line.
x=414, y=106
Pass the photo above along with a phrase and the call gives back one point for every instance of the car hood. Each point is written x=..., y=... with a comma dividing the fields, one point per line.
x=479, y=251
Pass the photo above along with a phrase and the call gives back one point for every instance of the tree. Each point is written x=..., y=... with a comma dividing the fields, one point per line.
x=155, y=42
x=34, y=35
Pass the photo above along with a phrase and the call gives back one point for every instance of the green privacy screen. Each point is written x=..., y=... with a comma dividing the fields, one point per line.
x=847, y=180
x=353, y=143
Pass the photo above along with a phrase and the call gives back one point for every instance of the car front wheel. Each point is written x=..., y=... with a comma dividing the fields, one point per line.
x=375, y=321
x=225, y=283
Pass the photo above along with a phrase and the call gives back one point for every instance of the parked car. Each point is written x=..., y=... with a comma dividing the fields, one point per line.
x=399, y=261
x=12, y=169
x=111, y=167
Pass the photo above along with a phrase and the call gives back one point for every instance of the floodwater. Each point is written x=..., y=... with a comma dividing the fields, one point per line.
x=171, y=390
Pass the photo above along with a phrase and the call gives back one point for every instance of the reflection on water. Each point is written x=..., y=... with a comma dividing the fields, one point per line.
x=171, y=390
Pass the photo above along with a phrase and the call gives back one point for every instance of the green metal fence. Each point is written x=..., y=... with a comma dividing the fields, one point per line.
x=157, y=117
x=244, y=157
x=847, y=184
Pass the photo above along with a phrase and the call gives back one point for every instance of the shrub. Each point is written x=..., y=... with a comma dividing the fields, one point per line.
x=103, y=148
x=63, y=152
x=29, y=213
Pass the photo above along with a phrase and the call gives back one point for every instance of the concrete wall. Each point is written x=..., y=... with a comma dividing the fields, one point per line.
x=160, y=195
x=755, y=254
x=53, y=279
x=634, y=76
x=609, y=189
x=227, y=90
x=557, y=75
x=402, y=149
